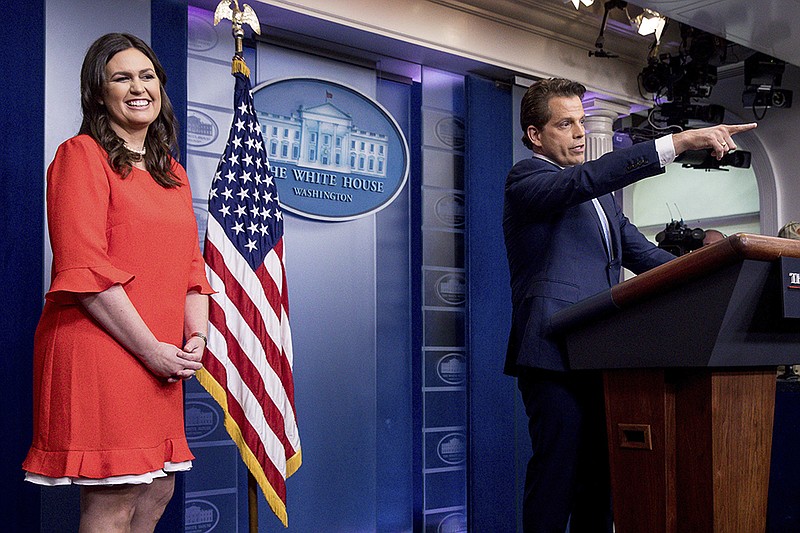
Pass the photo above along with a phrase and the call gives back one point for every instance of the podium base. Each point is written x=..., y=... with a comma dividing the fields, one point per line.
x=690, y=448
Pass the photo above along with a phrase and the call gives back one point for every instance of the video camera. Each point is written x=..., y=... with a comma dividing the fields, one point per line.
x=679, y=239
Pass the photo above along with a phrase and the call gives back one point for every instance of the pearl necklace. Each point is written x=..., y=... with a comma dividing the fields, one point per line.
x=141, y=151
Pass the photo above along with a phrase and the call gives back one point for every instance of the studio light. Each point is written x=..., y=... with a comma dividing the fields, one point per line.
x=650, y=22
x=577, y=3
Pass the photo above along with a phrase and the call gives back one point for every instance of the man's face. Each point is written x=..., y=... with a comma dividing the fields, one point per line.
x=562, y=139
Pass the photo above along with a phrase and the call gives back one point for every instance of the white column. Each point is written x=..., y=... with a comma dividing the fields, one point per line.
x=600, y=117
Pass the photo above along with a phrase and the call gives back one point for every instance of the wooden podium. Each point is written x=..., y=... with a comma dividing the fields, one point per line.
x=689, y=351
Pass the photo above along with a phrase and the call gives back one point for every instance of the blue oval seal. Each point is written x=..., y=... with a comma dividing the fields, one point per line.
x=201, y=516
x=335, y=153
x=201, y=130
x=452, y=289
x=200, y=419
x=452, y=368
x=202, y=35
x=449, y=209
x=453, y=523
x=452, y=448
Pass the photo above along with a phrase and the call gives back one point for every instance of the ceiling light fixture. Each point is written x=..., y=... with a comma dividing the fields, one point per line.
x=650, y=22
x=600, y=42
x=577, y=3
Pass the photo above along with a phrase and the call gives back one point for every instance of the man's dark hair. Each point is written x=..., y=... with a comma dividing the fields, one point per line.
x=535, y=108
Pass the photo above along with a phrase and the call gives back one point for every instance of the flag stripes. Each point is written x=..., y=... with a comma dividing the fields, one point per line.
x=248, y=359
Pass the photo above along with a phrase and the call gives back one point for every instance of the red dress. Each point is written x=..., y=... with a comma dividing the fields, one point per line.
x=98, y=411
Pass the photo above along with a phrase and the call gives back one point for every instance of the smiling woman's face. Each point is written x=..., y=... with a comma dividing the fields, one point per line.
x=562, y=139
x=132, y=92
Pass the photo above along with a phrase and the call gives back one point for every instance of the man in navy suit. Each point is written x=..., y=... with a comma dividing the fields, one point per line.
x=566, y=239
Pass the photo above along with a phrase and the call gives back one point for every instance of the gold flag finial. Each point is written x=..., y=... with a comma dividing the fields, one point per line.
x=238, y=17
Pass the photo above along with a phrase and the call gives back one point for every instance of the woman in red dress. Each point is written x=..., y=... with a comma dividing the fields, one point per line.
x=125, y=319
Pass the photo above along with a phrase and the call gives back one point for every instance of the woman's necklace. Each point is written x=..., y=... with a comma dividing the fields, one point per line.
x=140, y=151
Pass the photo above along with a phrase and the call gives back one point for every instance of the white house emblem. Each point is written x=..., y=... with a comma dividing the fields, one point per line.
x=336, y=154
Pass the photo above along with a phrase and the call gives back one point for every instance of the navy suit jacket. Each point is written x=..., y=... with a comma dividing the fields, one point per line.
x=555, y=246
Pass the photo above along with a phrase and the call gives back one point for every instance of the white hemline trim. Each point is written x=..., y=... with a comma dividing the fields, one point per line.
x=131, y=479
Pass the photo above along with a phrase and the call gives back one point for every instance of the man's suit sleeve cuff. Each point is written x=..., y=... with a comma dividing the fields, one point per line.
x=666, y=150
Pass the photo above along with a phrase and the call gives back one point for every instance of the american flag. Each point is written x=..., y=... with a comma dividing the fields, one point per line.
x=248, y=360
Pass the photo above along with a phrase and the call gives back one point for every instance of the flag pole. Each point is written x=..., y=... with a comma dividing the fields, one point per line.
x=252, y=502
x=238, y=17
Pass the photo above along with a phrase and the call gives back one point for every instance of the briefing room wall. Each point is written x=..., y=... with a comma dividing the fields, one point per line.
x=348, y=291
x=331, y=270
x=65, y=45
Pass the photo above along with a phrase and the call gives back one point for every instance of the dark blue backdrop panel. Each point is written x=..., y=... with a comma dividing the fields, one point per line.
x=783, y=508
x=492, y=395
x=168, y=38
x=169, y=33
x=415, y=233
x=22, y=197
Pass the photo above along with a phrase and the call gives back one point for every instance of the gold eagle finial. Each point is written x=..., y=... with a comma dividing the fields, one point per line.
x=238, y=17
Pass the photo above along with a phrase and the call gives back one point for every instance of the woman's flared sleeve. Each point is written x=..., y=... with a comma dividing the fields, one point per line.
x=198, y=281
x=78, y=195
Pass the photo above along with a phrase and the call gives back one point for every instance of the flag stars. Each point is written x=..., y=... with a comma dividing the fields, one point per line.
x=246, y=204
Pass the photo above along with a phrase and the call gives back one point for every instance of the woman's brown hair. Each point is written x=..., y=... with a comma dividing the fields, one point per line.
x=161, y=142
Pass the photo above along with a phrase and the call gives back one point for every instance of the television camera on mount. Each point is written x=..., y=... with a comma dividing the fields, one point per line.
x=703, y=160
x=679, y=82
x=684, y=77
x=678, y=239
x=762, y=80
